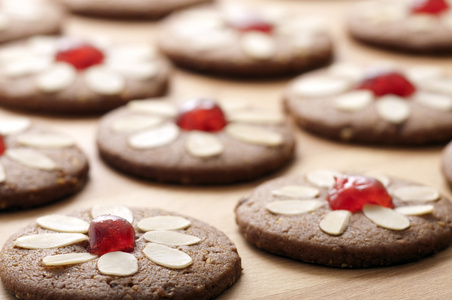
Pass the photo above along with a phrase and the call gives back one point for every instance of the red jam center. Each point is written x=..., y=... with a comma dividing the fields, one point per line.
x=108, y=233
x=201, y=114
x=433, y=7
x=250, y=22
x=387, y=83
x=352, y=192
x=80, y=55
x=2, y=146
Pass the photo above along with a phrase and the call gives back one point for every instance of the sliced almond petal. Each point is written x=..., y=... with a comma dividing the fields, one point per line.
x=117, y=264
x=256, y=117
x=56, y=78
x=421, y=23
x=258, y=45
x=42, y=45
x=435, y=101
x=135, y=123
x=154, y=107
x=163, y=223
x=296, y=191
x=293, y=207
x=135, y=70
x=415, y=210
x=447, y=19
x=116, y=210
x=348, y=71
x=421, y=73
x=45, y=140
x=213, y=39
x=171, y=238
x=13, y=125
x=416, y=193
x=439, y=85
x=203, y=144
x=104, y=81
x=254, y=135
x=385, y=217
x=167, y=257
x=67, y=259
x=380, y=177
x=132, y=53
x=26, y=66
x=154, y=137
x=49, y=240
x=393, y=109
x=319, y=87
x=385, y=14
x=323, y=177
x=2, y=174
x=63, y=223
x=354, y=101
x=335, y=222
x=31, y=158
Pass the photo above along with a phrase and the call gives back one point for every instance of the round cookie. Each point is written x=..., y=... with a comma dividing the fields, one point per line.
x=74, y=76
x=144, y=139
x=24, y=18
x=379, y=104
x=233, y=40
x=446, y=163
x=200, y=266
x=291, y=216
x=412, y=26
x=37, y=166
x=133, y=9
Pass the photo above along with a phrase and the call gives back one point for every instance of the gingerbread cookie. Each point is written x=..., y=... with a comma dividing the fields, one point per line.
x=24, y=18
x=196, y=142
x=37, y=166
x=133, y=9
x=446, y=163
x=113, y=252
x=238, y=41
x=73, y=76
x=410, y=25
x=379, y=104
x=346, y=220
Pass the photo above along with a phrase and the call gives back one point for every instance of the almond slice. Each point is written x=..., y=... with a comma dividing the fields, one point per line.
x=416, y=193
x=354, y=101
x=203, y=144
x=115, y=210
x=421, y=23
x=171, y=238
x=49, y=240
x=132, y=53
x=256, y=117
x=2, y=174
x=153, y=107
x=63, y=223
x=439, y=85
x=296, y=191
x=143, y=70
x=67, y=259
x=26, y=66
x=421, y=73
x=385, y=217
x=133, y=123
x=31, y=158
x=167, y=257
x=258, y=45
x=13, y=125
x=435, y=101
x=379, y=176
x=56, y=78
x=415, y=210
x=293, y=207
x=117, y=264
x=393, y=109
x=154, y=137
x=335, y=222
x=104, y=81
x=319, y=87
x=45, y=140
x=349, y=71
x=254, y=135
x=163, y=223
x=322, y=177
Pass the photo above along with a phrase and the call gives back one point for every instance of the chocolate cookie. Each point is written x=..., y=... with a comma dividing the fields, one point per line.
x=158, y=255
x=37, y=166
x=380, y=104
x=411, y=26
x=346, y=220
x=24, y=18
x=446, y=163
x=238, y=41
x=196, y=142
x=73, y=76
x=146, y=9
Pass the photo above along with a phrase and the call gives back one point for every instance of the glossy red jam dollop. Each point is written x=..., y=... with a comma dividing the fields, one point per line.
x=248, y=21
x=201, y=114
x=352, y=192
x=79, y=54
x=432, y=7
x=2, y=146
x=387, y=83
x=108, y=233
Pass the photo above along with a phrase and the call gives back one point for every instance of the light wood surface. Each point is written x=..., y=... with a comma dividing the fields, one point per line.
x=264, y=276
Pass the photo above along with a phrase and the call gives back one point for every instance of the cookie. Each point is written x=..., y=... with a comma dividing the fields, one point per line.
x=24, y=18
x=419, y=27
x=67, y=75
x=346, y=220
x=233, y=40
x=145, y=9
x=158, y=255
x=446, y=163
x=379, y=104
x=194, y=142
x=37, y=166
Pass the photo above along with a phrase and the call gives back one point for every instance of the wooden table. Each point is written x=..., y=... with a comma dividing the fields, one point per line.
x=264, y=276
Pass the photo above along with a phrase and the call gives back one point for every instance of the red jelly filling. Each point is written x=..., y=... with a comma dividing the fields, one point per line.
x=201, y=114
x=108, y=233
x=387, y=83
x=250, y=22
x=433, y=7
x=352, y=192
x=79, y=54
x=2, y=145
